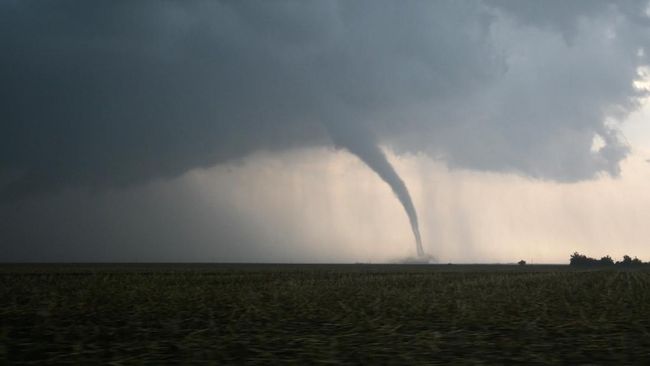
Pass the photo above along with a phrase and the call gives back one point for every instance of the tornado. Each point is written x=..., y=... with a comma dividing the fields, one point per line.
x=360, y=142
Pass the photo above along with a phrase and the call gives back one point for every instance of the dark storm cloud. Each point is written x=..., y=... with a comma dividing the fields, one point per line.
x=109, y=94
x=114, y=96
x=564, y=16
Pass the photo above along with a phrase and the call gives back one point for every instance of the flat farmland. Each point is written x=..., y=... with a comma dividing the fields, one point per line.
x=329, y=314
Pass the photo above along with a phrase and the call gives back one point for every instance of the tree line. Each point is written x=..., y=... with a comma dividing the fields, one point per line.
x=581, y=260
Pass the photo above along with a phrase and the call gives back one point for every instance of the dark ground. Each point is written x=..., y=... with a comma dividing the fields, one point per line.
x=303, y=314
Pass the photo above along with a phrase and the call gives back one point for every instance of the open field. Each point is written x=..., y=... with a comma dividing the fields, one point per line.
x=350, y=314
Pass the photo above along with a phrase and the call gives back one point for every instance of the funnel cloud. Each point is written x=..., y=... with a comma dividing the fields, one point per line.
x=362, y=144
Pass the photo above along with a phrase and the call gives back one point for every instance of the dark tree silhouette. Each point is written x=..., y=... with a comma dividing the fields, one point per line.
x=627, y=260
x=606, y=261
x=581, y=260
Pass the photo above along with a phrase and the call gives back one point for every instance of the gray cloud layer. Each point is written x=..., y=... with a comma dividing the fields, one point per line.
x=110, y=94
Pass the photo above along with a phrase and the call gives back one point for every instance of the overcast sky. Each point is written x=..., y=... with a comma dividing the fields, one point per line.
x=323, y=131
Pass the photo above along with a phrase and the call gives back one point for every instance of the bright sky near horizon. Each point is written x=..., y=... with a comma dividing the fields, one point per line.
x=329, y=203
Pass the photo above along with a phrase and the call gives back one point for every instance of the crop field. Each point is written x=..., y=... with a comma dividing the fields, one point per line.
x=329, y=314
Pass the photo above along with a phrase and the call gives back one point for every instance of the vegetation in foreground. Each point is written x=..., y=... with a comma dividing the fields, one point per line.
x=324, y=314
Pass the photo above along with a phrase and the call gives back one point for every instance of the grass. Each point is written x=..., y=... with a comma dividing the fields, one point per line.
x=347, y=314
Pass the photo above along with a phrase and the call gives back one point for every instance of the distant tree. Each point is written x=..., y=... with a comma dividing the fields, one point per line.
x=581, y=260
x=606, y=261
x=521, y=262
x=627, y=261
x=577, y=259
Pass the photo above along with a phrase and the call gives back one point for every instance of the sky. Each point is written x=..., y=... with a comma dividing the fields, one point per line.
x=324, y=131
